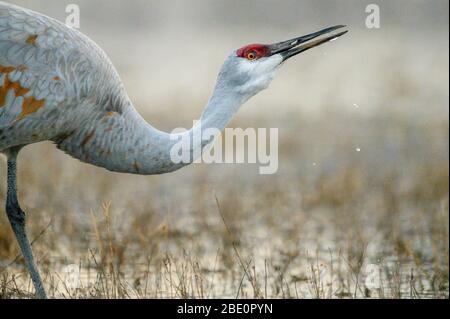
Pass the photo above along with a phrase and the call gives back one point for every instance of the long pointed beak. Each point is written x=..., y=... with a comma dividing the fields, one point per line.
x=298, y=45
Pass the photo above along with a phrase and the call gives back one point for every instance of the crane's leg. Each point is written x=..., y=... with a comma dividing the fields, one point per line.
x=16, y=217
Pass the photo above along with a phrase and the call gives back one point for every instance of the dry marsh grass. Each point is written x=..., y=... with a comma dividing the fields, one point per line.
x=224, y=231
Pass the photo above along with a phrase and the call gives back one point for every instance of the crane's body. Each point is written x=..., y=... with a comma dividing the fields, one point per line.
x=59, y=85
x=56, y=84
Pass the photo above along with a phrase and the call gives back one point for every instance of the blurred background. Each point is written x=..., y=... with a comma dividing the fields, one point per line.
x=363, y=163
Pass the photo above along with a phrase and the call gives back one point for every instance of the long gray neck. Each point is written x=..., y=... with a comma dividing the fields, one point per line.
x=158, y=158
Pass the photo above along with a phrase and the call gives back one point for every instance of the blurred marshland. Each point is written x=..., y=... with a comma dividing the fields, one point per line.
x=311, y=230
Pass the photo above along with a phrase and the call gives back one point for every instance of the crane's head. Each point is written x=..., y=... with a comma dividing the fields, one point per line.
x=250, y=69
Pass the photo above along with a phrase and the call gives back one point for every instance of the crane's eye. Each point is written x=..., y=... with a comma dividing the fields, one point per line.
x=251, y=55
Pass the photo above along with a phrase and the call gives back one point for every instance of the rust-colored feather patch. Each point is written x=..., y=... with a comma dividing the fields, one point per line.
x=30, y=104
x=111, y=114
x=6, y=69
x=87, y=138
x=32, y=39
x=7, y=85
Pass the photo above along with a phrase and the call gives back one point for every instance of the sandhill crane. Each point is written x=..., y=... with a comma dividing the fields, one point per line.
x=58, y=85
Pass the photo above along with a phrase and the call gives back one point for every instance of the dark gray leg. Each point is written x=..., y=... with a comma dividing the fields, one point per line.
x=17, y=219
